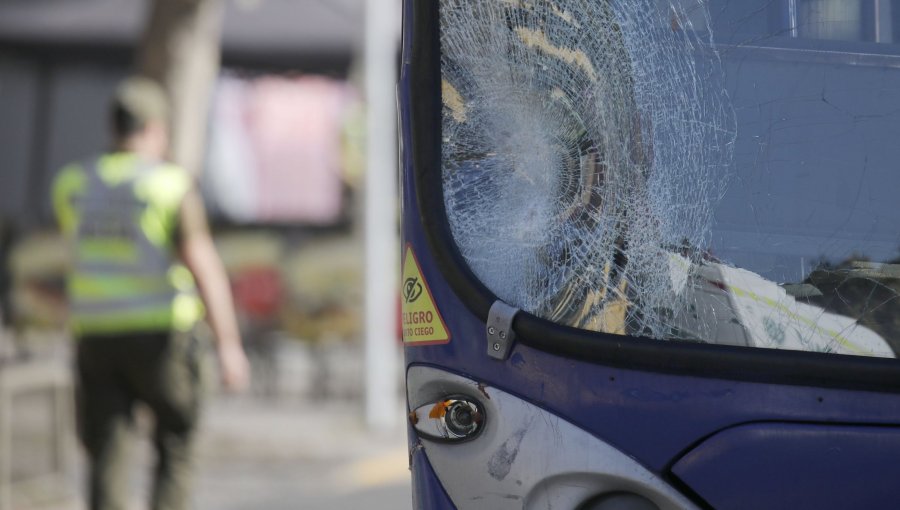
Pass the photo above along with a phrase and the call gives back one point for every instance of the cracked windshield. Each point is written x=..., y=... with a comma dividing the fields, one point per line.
x=721, y=172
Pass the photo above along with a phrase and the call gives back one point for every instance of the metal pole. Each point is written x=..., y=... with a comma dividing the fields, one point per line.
x=792, y=18
x=381, y=230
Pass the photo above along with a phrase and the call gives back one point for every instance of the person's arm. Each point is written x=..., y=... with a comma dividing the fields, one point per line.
x=199, y=255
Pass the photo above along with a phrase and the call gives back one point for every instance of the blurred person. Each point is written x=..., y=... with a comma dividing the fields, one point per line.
x=140, y=241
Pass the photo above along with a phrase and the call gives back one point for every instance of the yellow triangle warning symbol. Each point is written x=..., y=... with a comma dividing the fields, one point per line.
x=422, y=322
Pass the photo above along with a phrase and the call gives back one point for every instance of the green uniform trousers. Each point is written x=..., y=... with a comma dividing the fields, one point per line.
x=161, y=370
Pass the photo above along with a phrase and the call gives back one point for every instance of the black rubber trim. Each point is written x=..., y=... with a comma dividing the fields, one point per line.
x=425, y=109
x=695, y=359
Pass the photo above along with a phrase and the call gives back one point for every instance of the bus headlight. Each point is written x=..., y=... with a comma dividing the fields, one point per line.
x=454, y=418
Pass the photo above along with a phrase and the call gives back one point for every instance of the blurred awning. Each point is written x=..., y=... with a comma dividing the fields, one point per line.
x=283, y=33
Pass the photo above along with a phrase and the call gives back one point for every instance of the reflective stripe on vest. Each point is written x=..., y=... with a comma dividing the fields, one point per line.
x=124, y=277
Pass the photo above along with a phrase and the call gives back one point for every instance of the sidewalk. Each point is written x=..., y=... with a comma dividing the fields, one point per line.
x=304, y=447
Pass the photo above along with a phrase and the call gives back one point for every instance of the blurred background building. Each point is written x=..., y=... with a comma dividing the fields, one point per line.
x=281, y=170
x=284, y=154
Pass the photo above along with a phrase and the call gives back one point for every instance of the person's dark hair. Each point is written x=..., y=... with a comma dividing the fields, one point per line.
x=136, y=102
x=124, y=122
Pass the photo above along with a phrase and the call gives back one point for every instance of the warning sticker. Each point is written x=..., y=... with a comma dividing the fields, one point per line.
x=422, y=323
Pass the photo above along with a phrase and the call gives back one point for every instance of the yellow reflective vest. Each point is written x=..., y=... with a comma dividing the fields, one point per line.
x=120, y=213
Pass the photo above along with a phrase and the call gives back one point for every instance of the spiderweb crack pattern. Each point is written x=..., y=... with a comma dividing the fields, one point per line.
x=584, y=142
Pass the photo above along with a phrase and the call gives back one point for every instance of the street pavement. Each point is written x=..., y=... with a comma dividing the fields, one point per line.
x=308, y=455
x=279, y=454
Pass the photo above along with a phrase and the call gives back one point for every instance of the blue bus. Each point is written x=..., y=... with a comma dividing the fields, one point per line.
x=652, y=253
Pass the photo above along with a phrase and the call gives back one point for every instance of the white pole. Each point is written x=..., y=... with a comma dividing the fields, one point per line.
x=381, y=228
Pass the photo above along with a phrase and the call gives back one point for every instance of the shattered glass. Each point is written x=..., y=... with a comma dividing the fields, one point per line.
x=680, y=170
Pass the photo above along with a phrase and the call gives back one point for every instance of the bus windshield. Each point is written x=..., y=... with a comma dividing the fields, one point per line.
x=712, y=171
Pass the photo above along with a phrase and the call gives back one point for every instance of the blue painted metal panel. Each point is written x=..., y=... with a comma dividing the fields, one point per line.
x=427, y=490
x=796, y=466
